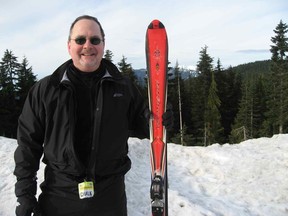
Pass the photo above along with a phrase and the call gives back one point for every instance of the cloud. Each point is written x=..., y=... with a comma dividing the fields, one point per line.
x=39, y=30
x=253, y=51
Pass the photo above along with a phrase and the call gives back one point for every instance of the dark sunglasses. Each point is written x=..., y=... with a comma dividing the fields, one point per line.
x=82, y=40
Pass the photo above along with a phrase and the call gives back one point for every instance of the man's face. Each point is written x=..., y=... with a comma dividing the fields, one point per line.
x=87, y=56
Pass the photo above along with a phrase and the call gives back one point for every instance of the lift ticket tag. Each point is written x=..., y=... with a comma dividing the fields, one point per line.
x=86, y=189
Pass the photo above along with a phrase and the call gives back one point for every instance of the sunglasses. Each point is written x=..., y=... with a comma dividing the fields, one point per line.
x=82, y=40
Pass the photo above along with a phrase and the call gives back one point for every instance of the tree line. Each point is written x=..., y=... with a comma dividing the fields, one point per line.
x=212, y=105
x=234, y=104
x=15, y=81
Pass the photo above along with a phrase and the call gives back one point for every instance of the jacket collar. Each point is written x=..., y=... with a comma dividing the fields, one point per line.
x=60, y=74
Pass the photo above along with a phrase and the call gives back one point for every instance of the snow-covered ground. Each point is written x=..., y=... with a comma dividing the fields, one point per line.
x=246, y=179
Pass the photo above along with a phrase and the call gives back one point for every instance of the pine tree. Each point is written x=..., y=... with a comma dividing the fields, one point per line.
x=127, y=69
x=8, y=76
x=213, y=128
x=108, y=55
x=173, y=97
x=9, y=66
x=278, y=103
x=186, y=104
x=204, y=68
x=183, y=138
x=259, y=108
x=250, y=119
x=241, y=129
x=25, y=80
x=197, y=110
x=229, y=92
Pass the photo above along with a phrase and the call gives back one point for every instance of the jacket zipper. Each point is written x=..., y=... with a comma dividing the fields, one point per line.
x=88, y=172
x=96, y=128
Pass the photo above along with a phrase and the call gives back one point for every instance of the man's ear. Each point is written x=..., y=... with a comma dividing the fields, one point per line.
x=68, y=46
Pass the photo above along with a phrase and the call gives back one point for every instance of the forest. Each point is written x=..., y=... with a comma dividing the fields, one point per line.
x=211, y=105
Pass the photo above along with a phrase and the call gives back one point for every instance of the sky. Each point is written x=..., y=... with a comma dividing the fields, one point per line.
x=236, y=32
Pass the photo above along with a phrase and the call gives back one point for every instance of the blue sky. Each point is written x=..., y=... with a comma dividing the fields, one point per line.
x=235, y=31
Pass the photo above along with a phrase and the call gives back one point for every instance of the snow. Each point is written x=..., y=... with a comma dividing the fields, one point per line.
x=246, y=179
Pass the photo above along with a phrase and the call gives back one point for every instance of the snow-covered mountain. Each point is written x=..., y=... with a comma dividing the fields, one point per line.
x=185, y=73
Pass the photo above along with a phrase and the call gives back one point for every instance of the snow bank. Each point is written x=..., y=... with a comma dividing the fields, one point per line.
x=246, y=179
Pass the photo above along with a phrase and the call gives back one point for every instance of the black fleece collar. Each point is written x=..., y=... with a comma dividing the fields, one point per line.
x=59, y=73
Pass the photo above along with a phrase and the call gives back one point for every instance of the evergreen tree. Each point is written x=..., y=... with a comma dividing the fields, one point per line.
x=8, y=115
x=278, y=102
x=229, y=91
x=259, y=108
x=204, y=68
x=15, y=81
x=213, y=128
x=187, y=138
x=186, y=103
x=197, y=111
x=26, y=79
x=126, y=69
x=250, y=119
x=108, y=55
x=241, y=129
x=219, y=67
x=173, y=97
x=9, y=66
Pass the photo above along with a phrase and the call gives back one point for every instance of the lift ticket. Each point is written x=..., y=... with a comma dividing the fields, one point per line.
x=86, y=189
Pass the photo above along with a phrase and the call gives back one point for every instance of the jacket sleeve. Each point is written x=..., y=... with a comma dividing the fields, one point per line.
x=27, y=155
x=139, y=114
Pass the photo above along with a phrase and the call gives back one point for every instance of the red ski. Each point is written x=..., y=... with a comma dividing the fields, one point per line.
x=157, y=62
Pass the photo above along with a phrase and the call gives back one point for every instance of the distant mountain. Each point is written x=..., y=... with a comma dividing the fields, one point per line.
x=141, y=74
x=256, y=67
x=185, y=73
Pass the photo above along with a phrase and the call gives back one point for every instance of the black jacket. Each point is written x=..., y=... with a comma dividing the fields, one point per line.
x=47, y=125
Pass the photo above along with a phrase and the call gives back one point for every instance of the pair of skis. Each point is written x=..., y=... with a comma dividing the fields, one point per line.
x=157, y=62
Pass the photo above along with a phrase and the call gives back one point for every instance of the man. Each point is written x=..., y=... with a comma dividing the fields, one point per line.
x=79, y=118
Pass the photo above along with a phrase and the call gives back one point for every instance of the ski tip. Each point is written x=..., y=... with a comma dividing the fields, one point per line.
x=156, y=24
